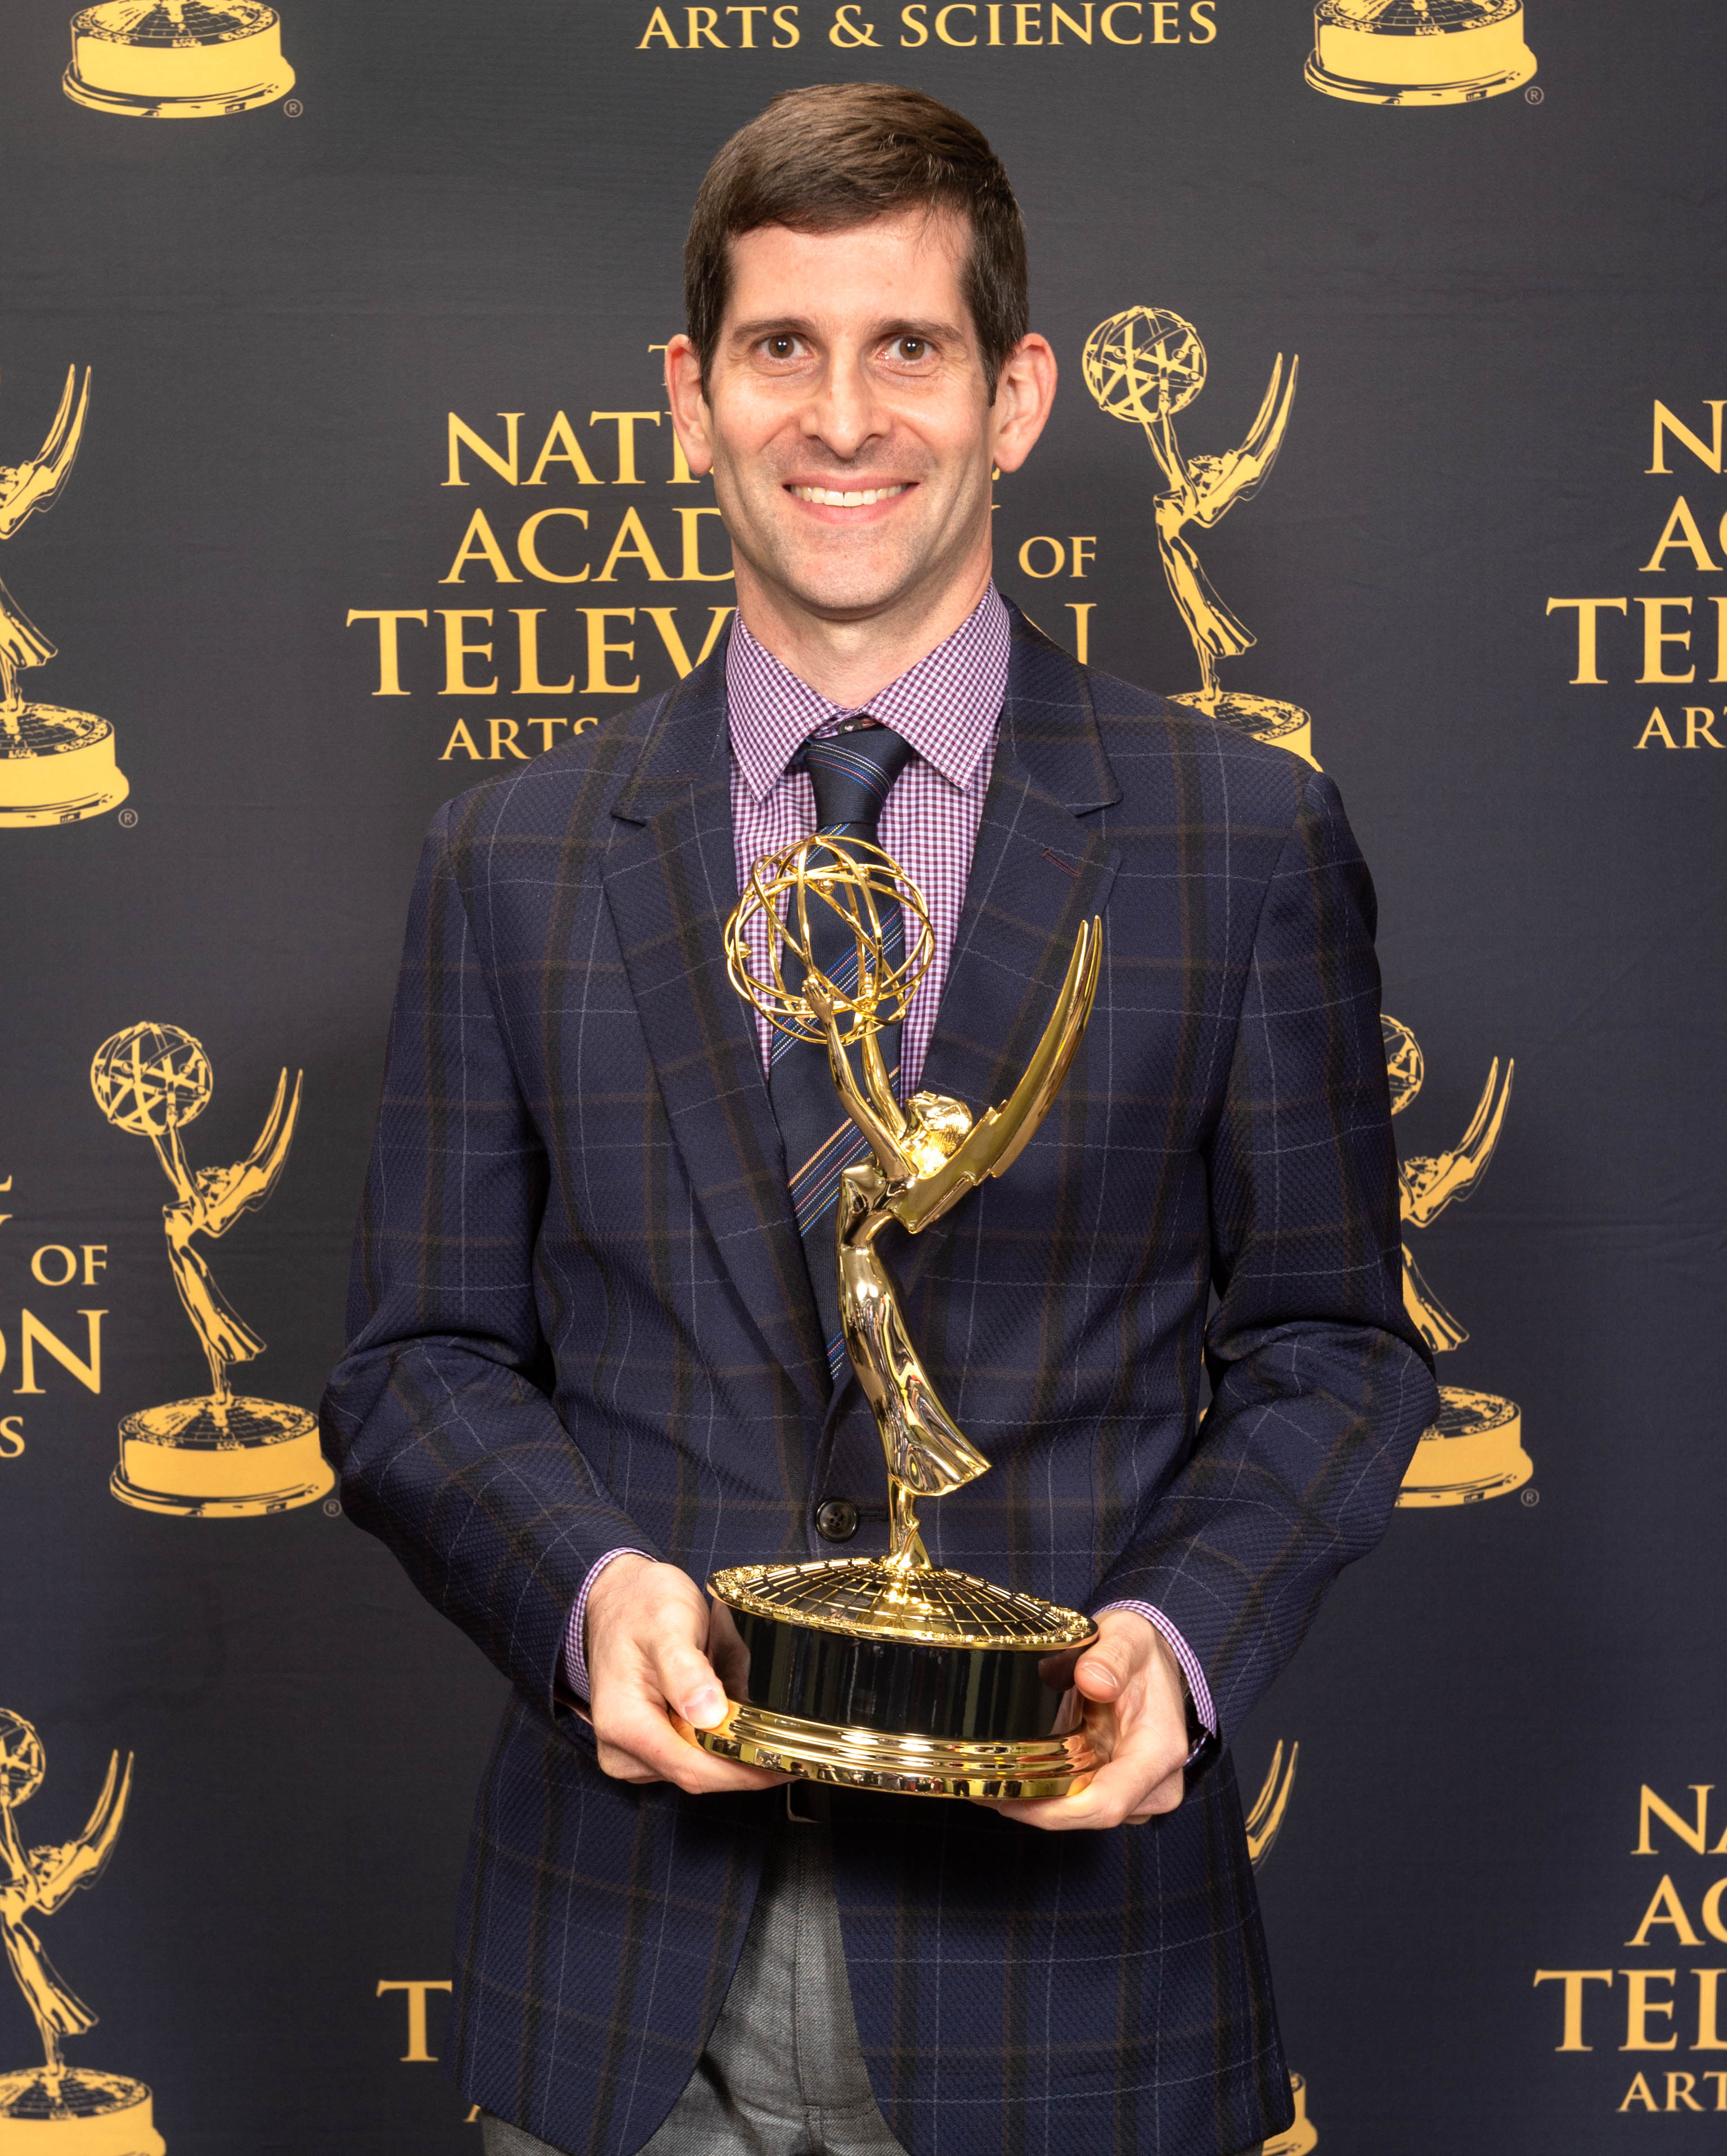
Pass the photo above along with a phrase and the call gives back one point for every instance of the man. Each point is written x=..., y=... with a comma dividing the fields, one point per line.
x=590, y=1361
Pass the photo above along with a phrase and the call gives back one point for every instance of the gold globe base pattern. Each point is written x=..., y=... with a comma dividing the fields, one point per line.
x=1266, y=718
x=1297, y=2138
x=255, y=1456
x=1473, y=1450
x=897, y=1764
x=83, y=2114
x=56, y=767
x=177, y=60
x=1418, y=52
x=865, y=1598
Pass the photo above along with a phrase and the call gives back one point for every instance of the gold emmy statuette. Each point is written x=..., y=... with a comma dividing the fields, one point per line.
x=891, y=1672
x=224, y=1454
x=1143, y=366
x=1264, y=1823
x=177, y=60
x=1418, y=52
x=54, y=2109
x=56, y=766
x=1474, y=1450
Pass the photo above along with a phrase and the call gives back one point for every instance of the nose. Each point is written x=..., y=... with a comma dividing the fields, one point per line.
x=844, y=412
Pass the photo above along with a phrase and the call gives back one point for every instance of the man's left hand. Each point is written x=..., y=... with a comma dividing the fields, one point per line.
x=1136, y=1717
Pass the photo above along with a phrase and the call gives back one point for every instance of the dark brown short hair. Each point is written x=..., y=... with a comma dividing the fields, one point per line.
x=839, y=154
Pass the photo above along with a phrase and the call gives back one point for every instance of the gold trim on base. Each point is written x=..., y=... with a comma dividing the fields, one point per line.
x=905, y=1766
x=131, y=106
x=1472, y=1451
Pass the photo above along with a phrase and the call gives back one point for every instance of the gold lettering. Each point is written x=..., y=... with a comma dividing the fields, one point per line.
x=1720, y=675
x=1639, y=2006
x=1712, y=1912
x=11, y=1428
x=912, y=18
x=1681, y=530
x=418, y=2053
x=1656, y=725
x=1698, y=720
x=545, y=726
x=785, y=44
x=1708, y=2034
x=1666, y=423
x=456, y=653
x=658, y=27
x=1082, y=628
x=748, y=39
x=847, y=31
x=1105, y=21
x=461, y=432
x=958, y=7
x=1164, y=16
x=1058, y=15
x=389, y=620
x=692, y=572
x=996, y=22
x=1639, y=2092
x=561, y=447
x=1657, y=636
x=503, y=737
x=1682, y=2086
x=33, y=1334
x=57, y=1251
x=461, y=739
x=664, y=619
x=1200, y=15
x=704, y=24
x=1666, y=1908
x=1023, y=11
x=478, y=545
x=93, y=1265
x=527, y=650
x=1058, y=552
x=1084, y=550
x=599, y=651
x=527, y=546
x=1574, y=1980
x=642, y=551
x=625, y=422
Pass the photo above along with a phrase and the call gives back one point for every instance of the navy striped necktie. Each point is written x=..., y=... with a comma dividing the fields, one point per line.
x=852, y=774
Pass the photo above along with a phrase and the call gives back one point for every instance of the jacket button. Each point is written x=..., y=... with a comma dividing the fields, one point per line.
x=836, y=1521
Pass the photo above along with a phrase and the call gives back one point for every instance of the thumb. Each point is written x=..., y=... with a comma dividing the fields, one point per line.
x=1103, y=1670
x=687, y=1683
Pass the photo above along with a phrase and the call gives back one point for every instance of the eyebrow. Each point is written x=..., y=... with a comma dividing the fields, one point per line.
x=798, y=325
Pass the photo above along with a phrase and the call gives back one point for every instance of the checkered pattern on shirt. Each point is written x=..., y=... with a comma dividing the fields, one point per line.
x=947, y=706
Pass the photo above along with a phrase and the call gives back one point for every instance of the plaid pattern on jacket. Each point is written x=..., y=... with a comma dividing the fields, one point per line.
x=581, y=1318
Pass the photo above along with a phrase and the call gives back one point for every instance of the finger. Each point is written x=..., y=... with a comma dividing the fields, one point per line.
x=1166, y=1797
x=1103, y=1670
x=1121, y=1789
x=685, y=1680
x=637, y=1743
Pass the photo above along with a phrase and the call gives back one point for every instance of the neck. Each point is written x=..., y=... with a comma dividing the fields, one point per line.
x=850, y=660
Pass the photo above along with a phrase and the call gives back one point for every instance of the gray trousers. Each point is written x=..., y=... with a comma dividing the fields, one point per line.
x=782, y=2075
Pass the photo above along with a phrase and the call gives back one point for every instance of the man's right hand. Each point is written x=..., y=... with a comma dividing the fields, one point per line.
x=655, y=1646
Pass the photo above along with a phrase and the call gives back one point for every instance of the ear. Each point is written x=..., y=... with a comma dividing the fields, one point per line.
x=690, y=417
x=1024, y=390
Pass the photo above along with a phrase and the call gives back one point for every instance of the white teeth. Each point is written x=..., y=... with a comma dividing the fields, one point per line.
x=829, y=499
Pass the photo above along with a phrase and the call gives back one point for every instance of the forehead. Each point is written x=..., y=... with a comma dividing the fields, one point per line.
x=909, y=264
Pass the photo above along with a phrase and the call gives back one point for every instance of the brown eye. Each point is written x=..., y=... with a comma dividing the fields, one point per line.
x=780, y=347
x=913, y=348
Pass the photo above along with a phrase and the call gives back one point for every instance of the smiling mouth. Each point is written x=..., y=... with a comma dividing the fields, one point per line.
x=827, y=497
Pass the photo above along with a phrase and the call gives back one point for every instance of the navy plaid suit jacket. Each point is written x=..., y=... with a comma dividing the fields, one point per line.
x=581, y=1318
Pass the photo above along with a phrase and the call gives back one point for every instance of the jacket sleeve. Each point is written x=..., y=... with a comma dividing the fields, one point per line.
x=1321, y=1385
x=439, y=1418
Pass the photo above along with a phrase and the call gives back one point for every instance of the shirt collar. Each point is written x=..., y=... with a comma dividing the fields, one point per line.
x=946, y=705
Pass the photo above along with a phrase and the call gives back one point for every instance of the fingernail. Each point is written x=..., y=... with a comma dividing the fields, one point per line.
x=705, y=1707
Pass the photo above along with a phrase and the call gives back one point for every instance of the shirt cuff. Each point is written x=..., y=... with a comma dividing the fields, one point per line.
x=1197, y=1691
x=575, y=1650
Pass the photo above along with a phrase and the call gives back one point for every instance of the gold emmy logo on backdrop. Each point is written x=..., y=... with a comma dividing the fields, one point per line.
x=224, y=1454
x=1475, y=1448
x=177, y=60
x=893, y=1673
x=1143, y=366
x=1264, y=1824
x=56, y=766
x=1418, y=52
x=55, y=2109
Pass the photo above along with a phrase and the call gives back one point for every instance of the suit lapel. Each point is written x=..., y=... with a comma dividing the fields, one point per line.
x=670, y=881
x=1041, y=866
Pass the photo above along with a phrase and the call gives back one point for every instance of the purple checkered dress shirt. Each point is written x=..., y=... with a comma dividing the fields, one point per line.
x=946, y=706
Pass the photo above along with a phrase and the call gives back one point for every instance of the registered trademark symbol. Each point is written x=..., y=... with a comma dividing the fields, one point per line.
x=1534, y=95
x=128, y=817
x=332, y=1508
x=293, y=108
x=1532, y=1496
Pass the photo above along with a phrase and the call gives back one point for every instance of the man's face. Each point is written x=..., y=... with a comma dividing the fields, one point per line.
x=848, y=415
